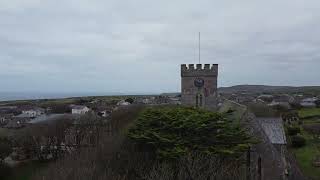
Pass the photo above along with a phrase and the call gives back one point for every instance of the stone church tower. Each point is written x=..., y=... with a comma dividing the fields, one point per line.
x=199, y=85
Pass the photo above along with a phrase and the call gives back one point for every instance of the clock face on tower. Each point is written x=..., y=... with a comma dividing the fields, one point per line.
x=199, y=82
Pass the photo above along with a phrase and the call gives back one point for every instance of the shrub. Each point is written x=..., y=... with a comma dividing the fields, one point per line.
x=293, y=130
x=262, y=110
x=5, y=170
x=172, y=132
x=5, y=148
x=298, y=141
x=318, y=103
x=129, y=100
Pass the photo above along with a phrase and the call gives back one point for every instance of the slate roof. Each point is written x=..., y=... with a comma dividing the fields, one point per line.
x=273, y=128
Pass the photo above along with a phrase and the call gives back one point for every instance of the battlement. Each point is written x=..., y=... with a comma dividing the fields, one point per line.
x=199, y=70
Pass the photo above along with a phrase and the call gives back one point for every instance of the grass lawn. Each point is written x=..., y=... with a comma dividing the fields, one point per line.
x=3, y=132
x=308, y=112
x=306, y=155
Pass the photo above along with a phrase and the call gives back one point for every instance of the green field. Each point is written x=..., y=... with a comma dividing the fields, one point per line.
x=309, y=112
x=306, y=155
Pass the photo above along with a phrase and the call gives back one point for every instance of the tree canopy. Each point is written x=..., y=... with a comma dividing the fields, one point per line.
x=171, y=132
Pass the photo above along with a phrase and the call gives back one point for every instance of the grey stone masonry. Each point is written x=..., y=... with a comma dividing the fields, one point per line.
x=199, y=85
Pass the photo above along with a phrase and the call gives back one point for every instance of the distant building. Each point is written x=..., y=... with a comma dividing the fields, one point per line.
x=123, y=103
x=104, y=113
x=174, y=100
x=32, y=111
x=283, y=100
x=8, y=109
x=79, y=109
x=5, y=118
x=309, y=102
x=199, y=85
x=147, y=101
x=17, y=123
x=266, y=98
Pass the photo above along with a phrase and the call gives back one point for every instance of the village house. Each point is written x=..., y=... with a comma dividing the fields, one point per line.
x=123, y=103
x=265, y=98
x=309, y=102
x=245, y=98
x=79, y=109
x=5, y=118
x=283, y=100
x=8, y=109
x=175, y=100
x=16, y=123
x=104, y=111
x=32, y=111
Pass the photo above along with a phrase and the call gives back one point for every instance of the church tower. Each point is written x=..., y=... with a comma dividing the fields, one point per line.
x=199, y=85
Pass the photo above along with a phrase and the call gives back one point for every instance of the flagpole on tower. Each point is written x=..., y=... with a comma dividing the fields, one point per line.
x=199, y=48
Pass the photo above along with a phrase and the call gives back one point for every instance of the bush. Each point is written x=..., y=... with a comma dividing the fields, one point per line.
x=298, y=141
x=262, y=110
x=171, y=132
x=129, y=100
x=293, y=130
x=5, y=170
x=5, y=148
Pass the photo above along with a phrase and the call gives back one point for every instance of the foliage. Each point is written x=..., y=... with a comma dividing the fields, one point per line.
x=293, y=130
x=5, y=170
x=171, y=132
x=298, y=141
x=60, y=108
x=305, y=156
x=129, y=100
x=262, y=110
x=5, y=148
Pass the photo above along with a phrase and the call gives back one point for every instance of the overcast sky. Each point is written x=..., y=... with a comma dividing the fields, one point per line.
x=138, y=45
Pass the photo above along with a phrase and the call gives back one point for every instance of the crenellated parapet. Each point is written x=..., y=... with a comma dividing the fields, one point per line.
x=199, y=70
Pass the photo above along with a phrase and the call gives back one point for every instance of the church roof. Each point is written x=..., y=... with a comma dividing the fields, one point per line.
x=273, y=128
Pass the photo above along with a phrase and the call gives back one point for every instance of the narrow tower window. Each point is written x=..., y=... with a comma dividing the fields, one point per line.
x=259, y=168
x=197, y=100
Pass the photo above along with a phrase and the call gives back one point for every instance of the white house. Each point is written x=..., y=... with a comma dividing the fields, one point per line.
x=33, y=111
x=123, y=103
x=309, y=102
x=78, y=109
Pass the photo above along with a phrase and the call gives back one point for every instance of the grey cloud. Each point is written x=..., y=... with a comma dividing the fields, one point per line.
x=139, y=45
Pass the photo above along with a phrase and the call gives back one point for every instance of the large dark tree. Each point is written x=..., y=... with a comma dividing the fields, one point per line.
x=172, y=132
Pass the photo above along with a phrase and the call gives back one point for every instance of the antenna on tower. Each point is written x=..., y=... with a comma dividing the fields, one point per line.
x=199, y=48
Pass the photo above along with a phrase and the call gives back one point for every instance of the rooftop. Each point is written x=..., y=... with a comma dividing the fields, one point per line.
x=273, y=128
